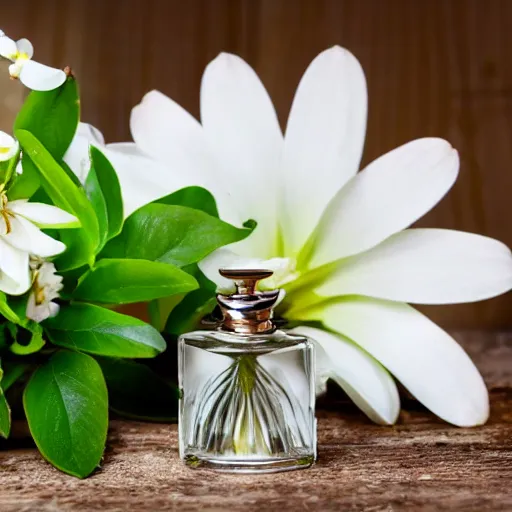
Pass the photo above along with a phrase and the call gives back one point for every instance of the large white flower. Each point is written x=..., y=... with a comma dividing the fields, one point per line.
x=20, y=238
x=339, y=238
x=32, y=74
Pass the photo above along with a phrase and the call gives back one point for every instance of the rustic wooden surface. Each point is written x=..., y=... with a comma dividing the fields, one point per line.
x=434, y=68
x=421, y=464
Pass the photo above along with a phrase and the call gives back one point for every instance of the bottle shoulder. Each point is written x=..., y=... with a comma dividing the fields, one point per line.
x=254, y=342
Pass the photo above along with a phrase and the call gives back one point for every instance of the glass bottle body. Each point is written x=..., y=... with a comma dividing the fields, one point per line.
x=247, y=402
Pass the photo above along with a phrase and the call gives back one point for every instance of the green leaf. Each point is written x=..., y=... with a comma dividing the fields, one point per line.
x=66, y=405
x=194, y=197
x=101, y=331
x=6, y=311
x=187, y=315
x=122, y=281
x=172, y=234
x=135, y=391
x=25, y=185
x=13, y=371
x=29, y=339
x=104, y=192
x=5, y=416
x=81, y=243
x=52, y=117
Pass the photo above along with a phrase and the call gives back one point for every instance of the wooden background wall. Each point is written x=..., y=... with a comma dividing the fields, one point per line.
x=434, y=67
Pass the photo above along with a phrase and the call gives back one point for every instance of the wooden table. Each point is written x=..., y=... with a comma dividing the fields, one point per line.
x=421, y=464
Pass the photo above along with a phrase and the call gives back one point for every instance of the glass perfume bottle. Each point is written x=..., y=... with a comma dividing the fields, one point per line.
x=247, y=395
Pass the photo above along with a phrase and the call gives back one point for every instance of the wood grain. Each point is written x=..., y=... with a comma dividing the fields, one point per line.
x=421, y=464
x=434, y=68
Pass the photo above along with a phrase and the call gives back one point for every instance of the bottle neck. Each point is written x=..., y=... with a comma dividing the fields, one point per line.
x=248, y=313
x=255, y=322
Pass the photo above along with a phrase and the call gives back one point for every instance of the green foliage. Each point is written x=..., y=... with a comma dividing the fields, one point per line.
x=66, y=406
x=104, y=193
x=13, y=371
x=172, y=234
x=152, y=256
x=122, y=281
x=25, y=185
x=195, y=306
x=197, y=198
x=101, y=331
x=6, y=311
x=5, y=416
x=28, y=339
x=81, y=243
x=135, y=391
x=52, y=117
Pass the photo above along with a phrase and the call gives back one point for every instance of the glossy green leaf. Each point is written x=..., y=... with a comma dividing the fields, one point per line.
x=187, y=315
x=6, y=311
x=123, y=281
x=172, y=234
x=29, y=339
x=25, y=185
x=66, y=405
x=104, y=192
x=135, y=391
x=52, y=117
x=13, y=371
x=81, y=243
x=194, y=197
x=101, y=331
x=5, y=416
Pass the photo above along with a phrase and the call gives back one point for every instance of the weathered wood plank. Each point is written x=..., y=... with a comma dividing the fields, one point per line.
x=421, y=464
x=434, y=68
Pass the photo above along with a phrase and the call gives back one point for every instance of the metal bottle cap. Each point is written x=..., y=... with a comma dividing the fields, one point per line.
x=247, y=311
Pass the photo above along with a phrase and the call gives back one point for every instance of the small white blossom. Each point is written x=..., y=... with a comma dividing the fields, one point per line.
x=46, y=285
x=9, y=147
x=32, y=74
x=20, y=237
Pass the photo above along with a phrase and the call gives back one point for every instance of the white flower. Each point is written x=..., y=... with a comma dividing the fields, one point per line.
x=9, y=147
x=20, y=237
x=127, y=161
x=32, y=74
x=342, y=237
x=46, y=285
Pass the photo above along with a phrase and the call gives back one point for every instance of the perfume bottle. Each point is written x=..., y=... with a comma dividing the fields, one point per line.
x=247, y=394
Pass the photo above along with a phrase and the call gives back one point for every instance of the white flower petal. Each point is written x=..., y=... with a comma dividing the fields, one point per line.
x=160, y=128
x=323, y=143
x=243, y=134
x=282, y=269
x=142, y=179
x=8, y=48
x=424, y=358
x=166, y=132
x=14, y=269
x=42, y=214
x=27, y=237
x=364, y=380
x=387, y=196
x=426, y=266
x=225, y=258
x=8, y=147
x=77, y=155
x=25, y=46
x=40, y=77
